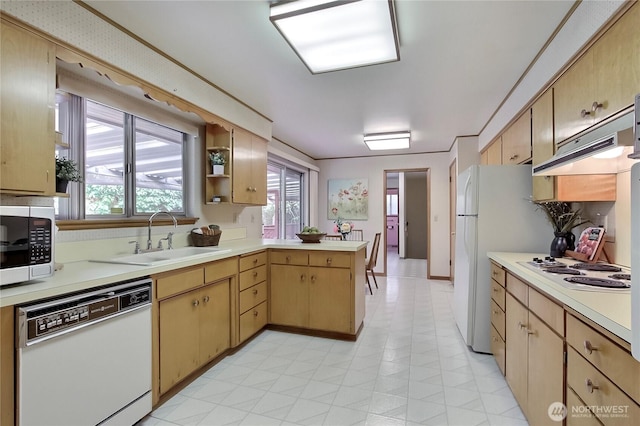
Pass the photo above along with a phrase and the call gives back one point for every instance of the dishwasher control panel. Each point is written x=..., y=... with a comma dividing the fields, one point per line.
x=55, y=317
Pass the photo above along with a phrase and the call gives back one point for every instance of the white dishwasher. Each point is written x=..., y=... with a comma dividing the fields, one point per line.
x=86, y=359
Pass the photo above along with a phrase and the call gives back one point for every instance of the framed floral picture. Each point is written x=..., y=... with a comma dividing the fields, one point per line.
x=348, y=199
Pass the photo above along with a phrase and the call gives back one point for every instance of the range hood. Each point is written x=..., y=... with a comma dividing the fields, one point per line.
x=602, y=150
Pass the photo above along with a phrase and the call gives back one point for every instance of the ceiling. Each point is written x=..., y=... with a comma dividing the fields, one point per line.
x=458, y=62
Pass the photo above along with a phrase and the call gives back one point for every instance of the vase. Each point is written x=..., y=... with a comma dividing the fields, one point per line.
x=344, y=237
x=559, y=244
x=571, y=241
x=61, y=185
x=218, y=169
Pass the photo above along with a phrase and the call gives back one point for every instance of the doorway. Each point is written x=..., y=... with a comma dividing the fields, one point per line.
x=406, y=215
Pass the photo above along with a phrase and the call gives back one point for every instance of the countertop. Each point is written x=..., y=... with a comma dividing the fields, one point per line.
x=82, y=275
x=608, y=309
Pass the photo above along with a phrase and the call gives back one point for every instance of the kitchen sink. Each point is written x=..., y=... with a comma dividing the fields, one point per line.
x=154, y=257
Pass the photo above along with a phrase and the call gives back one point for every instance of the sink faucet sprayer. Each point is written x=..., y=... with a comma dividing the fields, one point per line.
x=175, y=225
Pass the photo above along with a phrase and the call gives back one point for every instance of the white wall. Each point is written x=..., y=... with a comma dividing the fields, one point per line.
x=373, y=169
x=465, y=150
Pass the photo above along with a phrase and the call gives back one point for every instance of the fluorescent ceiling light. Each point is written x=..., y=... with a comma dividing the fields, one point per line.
x=336, y=35
x=381, y=141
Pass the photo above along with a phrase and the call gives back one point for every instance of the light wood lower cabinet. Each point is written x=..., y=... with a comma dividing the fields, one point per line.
x=534, y=353
x=194, y=329
x=192, y=320
x=317, y=290
x=252, y=297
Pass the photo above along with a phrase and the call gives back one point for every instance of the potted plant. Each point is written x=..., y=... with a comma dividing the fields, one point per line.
x=218, y=161
x=66, y=171
x=563, y=219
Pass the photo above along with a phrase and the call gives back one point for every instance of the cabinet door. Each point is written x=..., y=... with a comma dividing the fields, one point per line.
x=516, y=358
x=494, y=153
x=545, y=378
x=542, y=144
x=289, y=295
x=259, y=170
x=516, y=141
x=330, y=299
x=27, y=160
x=616, y=58
x=242, y=188
x=572, y=93
x=179, y=336
x=215, y=320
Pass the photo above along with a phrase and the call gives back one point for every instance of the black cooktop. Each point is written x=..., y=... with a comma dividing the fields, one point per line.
x=596, y=267
x=597, y=282
x=562, y=270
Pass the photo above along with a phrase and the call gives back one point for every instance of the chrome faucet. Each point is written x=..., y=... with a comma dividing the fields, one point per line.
x=175, y=225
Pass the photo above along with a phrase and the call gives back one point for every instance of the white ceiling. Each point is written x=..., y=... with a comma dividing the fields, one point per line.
x=458, y=62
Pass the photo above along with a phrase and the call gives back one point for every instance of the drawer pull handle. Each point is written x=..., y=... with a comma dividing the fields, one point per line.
x=255, y=291
x=255, y=261
x=196, y=302
x=313, y=278
x=328, y=261
x=529, y=331
x=595, y=106
x=288, y=259
x=205, y=299
x=302, y=277
x=590, y=386
x=521, y=325
x=255, y=274
x=495, y=290
x=255, y=313
x=584, y=113
x=494, y=273
x=589, y=348
x=495, y=312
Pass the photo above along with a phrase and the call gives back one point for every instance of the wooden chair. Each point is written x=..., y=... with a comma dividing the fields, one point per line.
x=371, y=262
x=355, y=235
x=333, y=237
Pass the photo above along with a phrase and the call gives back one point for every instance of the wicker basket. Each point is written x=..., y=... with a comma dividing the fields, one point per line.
x=201, y=240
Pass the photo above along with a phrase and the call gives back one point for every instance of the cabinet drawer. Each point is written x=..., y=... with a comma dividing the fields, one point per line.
x=547, y=310
x=252, y=321
x=498, y=348
x=330, y=259
x=596, y=390
x=252, y=277
x=215, y=271
x=497, y=294
x=252, y=260
x=253, y=296
x=577, y=412
x=611, y=359
x=497, y=318
x=168, y=285
x=518, y=289
x=289, y=257
x=498, y=274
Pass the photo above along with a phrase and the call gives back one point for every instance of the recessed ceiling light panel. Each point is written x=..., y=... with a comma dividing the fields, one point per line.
x=337, y=35
x=384, y=141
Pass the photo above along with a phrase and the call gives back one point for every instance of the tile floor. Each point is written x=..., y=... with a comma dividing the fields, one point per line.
x=408, y=367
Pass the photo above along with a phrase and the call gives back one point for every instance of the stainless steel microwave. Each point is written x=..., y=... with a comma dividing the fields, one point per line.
x=26, y=243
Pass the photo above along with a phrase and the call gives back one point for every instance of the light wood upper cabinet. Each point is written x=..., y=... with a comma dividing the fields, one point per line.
x=244, y=180
x=542, y=144
x=562, y=188
x=603, y=81
x=249, y=168
x=28, y=73
x=516, y=140
x=574, y=93
x=616, y=58
x=494, y=152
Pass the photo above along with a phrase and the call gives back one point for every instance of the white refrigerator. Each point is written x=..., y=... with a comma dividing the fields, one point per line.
x=494, y=213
